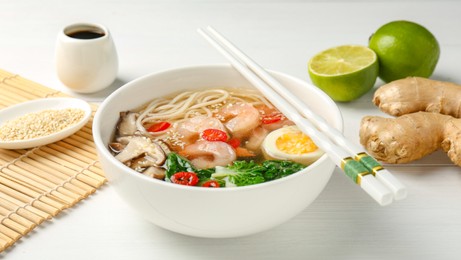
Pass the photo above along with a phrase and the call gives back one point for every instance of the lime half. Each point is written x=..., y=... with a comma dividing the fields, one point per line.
x=346, y=72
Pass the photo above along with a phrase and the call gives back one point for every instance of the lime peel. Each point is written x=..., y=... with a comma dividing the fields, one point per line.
x=405, y=49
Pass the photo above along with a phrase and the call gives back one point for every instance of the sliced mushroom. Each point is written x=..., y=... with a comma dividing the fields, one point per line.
x=164, y=146
x=124, y=139
x=139, y=145
x=127, y=123
x=143, y=162
x=116, y=147
x=155, y=172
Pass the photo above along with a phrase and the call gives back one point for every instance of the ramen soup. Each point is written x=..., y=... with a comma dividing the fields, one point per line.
x=212, y=138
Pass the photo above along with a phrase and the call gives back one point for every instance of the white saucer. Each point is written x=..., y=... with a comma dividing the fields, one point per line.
x=33, y=106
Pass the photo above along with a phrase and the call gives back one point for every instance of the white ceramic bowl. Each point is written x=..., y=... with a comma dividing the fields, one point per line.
x=203, y=212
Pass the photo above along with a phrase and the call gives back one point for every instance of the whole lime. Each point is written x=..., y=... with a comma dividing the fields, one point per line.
x=345, y=72
x=404, y=49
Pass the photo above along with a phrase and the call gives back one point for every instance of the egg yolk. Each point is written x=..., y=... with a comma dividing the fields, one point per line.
x=295, y=143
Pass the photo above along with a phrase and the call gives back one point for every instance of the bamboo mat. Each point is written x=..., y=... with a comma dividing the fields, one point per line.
x=38, y=183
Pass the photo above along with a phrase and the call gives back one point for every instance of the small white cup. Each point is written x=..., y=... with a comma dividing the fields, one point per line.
x=86, y=59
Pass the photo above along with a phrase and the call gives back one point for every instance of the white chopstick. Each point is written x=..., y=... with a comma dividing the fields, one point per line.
x=340, y=156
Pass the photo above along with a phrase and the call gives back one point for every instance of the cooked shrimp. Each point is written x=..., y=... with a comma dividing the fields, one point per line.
x=277, y=125
x=189, y=129
x=205, y=154
x=256, y=139
x=239, y=118
x=271, y=118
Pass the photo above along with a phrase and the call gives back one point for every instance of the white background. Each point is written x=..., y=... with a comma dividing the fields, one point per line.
x=343, y=223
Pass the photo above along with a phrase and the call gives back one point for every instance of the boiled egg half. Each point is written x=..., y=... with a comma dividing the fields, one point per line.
x=290, y=143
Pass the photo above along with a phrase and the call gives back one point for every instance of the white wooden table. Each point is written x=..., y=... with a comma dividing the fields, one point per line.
x=343, y=223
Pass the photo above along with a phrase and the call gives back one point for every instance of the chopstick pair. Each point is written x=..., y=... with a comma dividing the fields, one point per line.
x=363, y=169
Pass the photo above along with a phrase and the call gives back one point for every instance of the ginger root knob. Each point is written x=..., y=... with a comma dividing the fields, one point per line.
x=414, y=94
x=411, y=137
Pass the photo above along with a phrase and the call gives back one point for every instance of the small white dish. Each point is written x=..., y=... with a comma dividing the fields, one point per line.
x=34, y=106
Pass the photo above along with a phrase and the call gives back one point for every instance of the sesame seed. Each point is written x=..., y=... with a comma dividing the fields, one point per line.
x=39, y=124
x=174, y=138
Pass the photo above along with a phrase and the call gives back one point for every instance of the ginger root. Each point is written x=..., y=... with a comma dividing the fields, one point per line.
x=410, y=137
x=414, y=94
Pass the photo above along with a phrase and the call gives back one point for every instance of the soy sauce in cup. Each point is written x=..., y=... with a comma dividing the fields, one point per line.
x=86, y=35
x=86, y=59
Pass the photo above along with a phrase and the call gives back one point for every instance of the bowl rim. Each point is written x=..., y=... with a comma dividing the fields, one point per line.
x=105, y=152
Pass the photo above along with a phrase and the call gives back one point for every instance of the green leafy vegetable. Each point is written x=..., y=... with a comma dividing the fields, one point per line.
x=242, y=173
x=275, y=169
x=239, y=173
x=247, y=166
